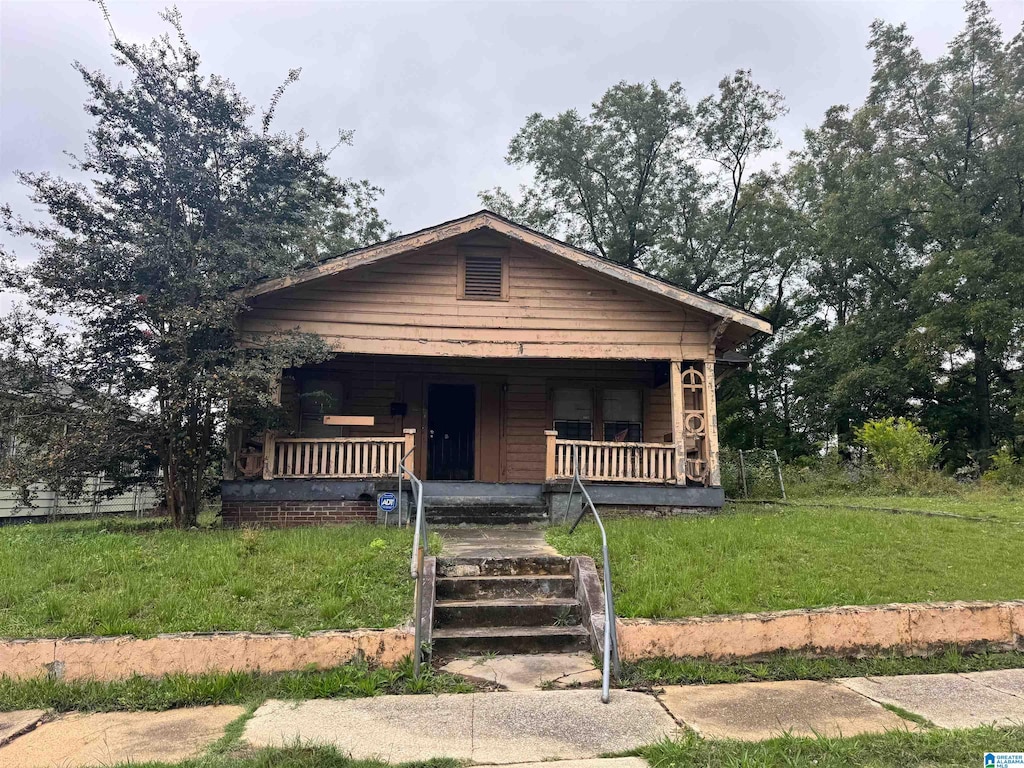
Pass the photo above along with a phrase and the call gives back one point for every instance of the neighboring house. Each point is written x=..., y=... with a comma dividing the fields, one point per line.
x=46, y=502
x=496, y=354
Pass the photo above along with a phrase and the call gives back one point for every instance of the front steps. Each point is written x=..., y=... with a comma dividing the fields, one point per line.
x=484, y=512
x=507, y=605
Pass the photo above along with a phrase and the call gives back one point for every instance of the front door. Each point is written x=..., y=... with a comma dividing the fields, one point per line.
x=451, y=429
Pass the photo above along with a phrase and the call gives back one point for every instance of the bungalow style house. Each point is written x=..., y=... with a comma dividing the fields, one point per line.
x=495, y=357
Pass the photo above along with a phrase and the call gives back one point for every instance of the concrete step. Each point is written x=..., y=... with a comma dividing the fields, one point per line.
x=504, y=612
x=453, y=640
x=487, y=514
x=539, y=565
x=491, y=587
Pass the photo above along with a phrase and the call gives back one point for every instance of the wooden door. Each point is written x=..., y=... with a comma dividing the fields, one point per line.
x=490, y=421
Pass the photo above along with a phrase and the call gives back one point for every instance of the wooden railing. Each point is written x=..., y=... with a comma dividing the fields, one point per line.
x=334, y=457
x=610, y=461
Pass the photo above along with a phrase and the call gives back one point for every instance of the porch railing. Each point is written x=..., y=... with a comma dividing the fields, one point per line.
x=609, y=461
x=333, y=457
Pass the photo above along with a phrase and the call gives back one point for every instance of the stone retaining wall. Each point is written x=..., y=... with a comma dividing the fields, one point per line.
x=905, y=628
x=113, y=658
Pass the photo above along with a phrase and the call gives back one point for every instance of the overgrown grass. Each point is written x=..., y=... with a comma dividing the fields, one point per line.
x=781, y=557
x=898, y=749
x=118, y=576
x=141, y=693
x=785, y=666
x=1007, y=506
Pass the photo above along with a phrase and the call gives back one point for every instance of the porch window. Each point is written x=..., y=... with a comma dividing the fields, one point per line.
x=574, y=413
x=319, y=397
x=622, y=412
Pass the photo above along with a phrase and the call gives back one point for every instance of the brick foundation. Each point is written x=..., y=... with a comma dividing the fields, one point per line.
x=650, y=510
x=287, y=514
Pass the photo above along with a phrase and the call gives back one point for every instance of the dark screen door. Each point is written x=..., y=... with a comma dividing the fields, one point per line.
x=451, y=431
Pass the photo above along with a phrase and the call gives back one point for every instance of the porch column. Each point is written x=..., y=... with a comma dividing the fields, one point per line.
x=711, y=421
x=550, y=436
x=675, y=375
x=409, y=447
x=270, y=436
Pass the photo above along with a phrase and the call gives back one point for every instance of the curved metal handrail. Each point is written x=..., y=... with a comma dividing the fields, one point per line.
x=611, y=635
x=420, y=547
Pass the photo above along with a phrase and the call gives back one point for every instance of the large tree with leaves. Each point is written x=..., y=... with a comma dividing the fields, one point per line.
x=125, y=346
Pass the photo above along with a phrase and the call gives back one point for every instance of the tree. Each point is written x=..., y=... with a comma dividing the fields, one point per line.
x=126, y=345
x=955, y=126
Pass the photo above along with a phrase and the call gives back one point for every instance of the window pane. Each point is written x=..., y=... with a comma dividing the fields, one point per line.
x=623, y=431
x=622, y=405
x=574, y=430
x=573, y=405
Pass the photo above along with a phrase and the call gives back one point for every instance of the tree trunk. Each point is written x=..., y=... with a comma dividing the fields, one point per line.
x=982, y=403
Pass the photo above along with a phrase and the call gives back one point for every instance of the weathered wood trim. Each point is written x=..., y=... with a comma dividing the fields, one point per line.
x=550, y=436
x=349, y=421
x=488, y=220
x=675, y=375
x=711, y=423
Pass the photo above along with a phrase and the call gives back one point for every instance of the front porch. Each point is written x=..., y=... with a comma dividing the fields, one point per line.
x=480, y=431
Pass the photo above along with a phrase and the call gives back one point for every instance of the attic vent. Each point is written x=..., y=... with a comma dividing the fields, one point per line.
x=482, y=275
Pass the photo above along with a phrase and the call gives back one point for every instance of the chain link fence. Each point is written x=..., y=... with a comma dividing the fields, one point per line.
x=753, y=474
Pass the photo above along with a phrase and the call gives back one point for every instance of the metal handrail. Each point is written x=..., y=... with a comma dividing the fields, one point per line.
x=420, y=546
x=611, y=635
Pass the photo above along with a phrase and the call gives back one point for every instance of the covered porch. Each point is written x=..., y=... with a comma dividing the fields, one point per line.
x=487, y=433
x=492, y=421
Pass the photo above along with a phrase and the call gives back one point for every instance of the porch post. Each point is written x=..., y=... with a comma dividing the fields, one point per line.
x=711, y=421
x=675, y=375
x=549, y=454
x=409, y=445
x=270, y=436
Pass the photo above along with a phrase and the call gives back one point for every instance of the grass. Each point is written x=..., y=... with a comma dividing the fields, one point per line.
x=119, y=576
x=897, y=749
x=1008, y=506
x=786, y=666
x=781, y=557
x=140, y=693
x=291, y=757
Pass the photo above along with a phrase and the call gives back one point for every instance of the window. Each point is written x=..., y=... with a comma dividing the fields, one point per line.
x=483, y=274
x=319, y=397
x=574, y=413
x=621, y=410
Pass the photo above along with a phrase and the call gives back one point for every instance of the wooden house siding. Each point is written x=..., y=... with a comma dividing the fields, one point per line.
x=515, y=434
x=409, y=305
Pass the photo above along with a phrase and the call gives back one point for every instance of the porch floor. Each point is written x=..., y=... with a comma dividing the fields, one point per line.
x=495, y=542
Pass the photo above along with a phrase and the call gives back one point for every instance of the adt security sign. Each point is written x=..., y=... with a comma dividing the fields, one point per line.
x=387, y=502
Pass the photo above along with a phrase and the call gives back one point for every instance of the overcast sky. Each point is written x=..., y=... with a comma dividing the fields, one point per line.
x=434, y=91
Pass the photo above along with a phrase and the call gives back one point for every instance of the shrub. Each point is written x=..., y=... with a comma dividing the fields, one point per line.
x=898, y=445
x=1007, y=470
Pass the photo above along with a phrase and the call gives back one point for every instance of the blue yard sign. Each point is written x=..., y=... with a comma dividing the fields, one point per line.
x=387, y=502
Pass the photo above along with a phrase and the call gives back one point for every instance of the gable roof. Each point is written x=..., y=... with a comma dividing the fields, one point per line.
x=488, y=220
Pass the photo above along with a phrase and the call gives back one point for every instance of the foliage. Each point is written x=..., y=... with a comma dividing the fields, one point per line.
x=897, y=445
x=793, y=556
x=354, y=680
x=126, y=347
x=118, y=576
x=1007, y=470
x=889, y=256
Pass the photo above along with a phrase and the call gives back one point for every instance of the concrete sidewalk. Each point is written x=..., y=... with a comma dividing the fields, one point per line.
x=504, y=728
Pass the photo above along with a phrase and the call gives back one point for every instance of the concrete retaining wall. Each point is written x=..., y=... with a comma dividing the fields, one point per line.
x=113, y=658
x=905, y=628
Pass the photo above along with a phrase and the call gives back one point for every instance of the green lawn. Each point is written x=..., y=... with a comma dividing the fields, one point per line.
x=120, y=576
x=779, y=557
x=1007, y=506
